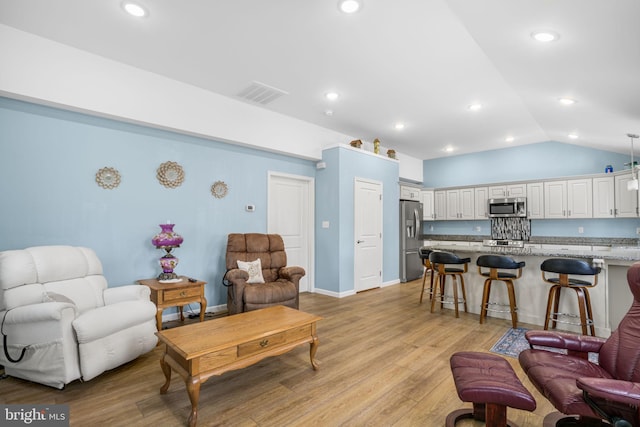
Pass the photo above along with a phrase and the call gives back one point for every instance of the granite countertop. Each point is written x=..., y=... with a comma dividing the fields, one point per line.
x=587, y=241
x=614, y=253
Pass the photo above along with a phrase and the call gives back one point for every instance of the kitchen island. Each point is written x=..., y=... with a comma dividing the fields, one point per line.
x=610, y=299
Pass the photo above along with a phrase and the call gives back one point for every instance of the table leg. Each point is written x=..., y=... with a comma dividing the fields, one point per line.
x=203, y=308
x=159, y=318
x=193, y=388
x=181, y=314
x=166, y=369
x=312, y=352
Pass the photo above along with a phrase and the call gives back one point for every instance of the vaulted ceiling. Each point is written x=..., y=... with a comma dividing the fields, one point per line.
x=421, y=63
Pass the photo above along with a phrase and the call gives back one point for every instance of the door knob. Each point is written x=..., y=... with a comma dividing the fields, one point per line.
x=359, y=241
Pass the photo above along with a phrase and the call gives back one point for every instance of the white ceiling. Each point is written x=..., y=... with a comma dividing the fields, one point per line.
x=421, y=62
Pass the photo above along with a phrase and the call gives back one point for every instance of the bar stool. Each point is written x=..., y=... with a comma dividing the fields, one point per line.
x=428, y=268
x=495, y=263
x=448, y=264
x=565, y=267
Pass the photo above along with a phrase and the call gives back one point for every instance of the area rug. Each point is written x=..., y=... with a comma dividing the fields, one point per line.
x=513, y=342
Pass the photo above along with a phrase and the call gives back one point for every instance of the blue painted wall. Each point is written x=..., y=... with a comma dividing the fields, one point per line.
x=535, y=161
x=336, y=206
x=48, y=162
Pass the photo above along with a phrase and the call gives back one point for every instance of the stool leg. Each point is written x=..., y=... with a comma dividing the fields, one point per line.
x=455, y=293
x=589, y=312
x=512, y=303
x=485, y=300
x=432, y=274
x=581, y=307
x=552, y=292
x=424, y=281
x=433, y=296
x=464, y=293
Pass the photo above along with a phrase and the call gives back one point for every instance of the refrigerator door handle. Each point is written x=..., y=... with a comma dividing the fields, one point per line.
x=416, y=218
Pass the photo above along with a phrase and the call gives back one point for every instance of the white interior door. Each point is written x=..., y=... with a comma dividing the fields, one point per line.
x=290, y=214
x=368, y=234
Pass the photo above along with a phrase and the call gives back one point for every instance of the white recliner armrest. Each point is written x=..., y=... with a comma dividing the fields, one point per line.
x=107, y=320
x=126, y=293
x=37, y=312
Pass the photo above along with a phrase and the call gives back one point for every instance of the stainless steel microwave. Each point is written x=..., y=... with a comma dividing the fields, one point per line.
x=511, y=207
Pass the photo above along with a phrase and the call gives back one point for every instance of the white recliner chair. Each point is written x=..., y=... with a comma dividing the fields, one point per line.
x=59, y=320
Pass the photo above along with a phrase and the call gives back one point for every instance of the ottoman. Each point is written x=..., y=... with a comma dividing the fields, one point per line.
x=489, y=382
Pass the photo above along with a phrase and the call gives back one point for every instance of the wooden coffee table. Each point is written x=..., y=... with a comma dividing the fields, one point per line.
x=201, y=350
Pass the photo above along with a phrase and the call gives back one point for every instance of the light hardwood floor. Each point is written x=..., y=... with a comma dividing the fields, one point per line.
x=384, y=361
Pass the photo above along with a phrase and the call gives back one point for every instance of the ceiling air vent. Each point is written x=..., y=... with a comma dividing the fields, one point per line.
x=261, y=93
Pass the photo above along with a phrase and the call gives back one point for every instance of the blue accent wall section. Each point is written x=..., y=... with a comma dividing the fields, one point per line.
x=534, y=161
x=540, y=161
x=49, y=195
x=335, y=265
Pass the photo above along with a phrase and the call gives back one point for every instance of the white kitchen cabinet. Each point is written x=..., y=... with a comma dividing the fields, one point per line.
x=568, y=199
x=428, y=207
x=555, y=199
x=535, y=200
x=509, y=190
x=409, y=193
x=626, y=202
x=440, y=204
x=481, y=195
x=460, y=203
x=603, y=197
x=580, y=198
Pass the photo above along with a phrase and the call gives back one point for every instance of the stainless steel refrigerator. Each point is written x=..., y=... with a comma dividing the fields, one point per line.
x=410, y=240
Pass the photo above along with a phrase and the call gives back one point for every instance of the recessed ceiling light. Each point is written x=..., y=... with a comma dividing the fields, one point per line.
x=134, y=9
x=328, y=113
x=474, y=107
x=331, y=96
x=509, y=139
x=399, y=126
x=566, y=101
x=448, y=149
x=573, y=136
x=545, y=36
x=349, y=6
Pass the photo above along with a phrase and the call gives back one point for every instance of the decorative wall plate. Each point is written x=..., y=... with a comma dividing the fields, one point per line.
x=219, y=189
x=170, y=174
x=108, y=178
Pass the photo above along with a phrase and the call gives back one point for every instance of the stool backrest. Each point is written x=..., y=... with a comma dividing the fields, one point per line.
x=424, y=252
x=498, y=261
x=441, y=257
x=569, y=266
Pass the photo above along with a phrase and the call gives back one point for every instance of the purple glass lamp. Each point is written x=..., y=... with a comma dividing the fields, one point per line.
x=167, y=239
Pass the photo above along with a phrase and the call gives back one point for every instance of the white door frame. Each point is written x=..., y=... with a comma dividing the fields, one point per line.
x=310, y=223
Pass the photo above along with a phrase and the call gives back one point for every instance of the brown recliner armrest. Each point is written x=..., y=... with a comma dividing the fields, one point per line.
x=293, y=274
x=237, y=279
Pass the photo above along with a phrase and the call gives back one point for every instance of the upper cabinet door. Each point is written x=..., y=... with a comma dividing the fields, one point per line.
x=626, y=201
x=481, y=197
x=517, y=190
x=535, y=200
x=603, y=197
x=440, y=204
x=555, y=199
x=580, y=198
x=467, y=203
x=428, y=208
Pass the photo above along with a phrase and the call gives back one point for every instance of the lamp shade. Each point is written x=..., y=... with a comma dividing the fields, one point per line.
x=167, y=238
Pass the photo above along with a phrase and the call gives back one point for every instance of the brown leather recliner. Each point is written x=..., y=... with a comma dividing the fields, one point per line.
x=609, y=390
x=281, y=283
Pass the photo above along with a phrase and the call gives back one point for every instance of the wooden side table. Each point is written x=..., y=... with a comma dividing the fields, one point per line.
x=176, y=294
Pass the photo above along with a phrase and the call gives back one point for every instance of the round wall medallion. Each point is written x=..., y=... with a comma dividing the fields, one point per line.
x=108, y=178
x=170, y=174
x=219, y=189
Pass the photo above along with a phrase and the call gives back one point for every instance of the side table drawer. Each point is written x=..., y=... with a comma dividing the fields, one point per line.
x=177, y=294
